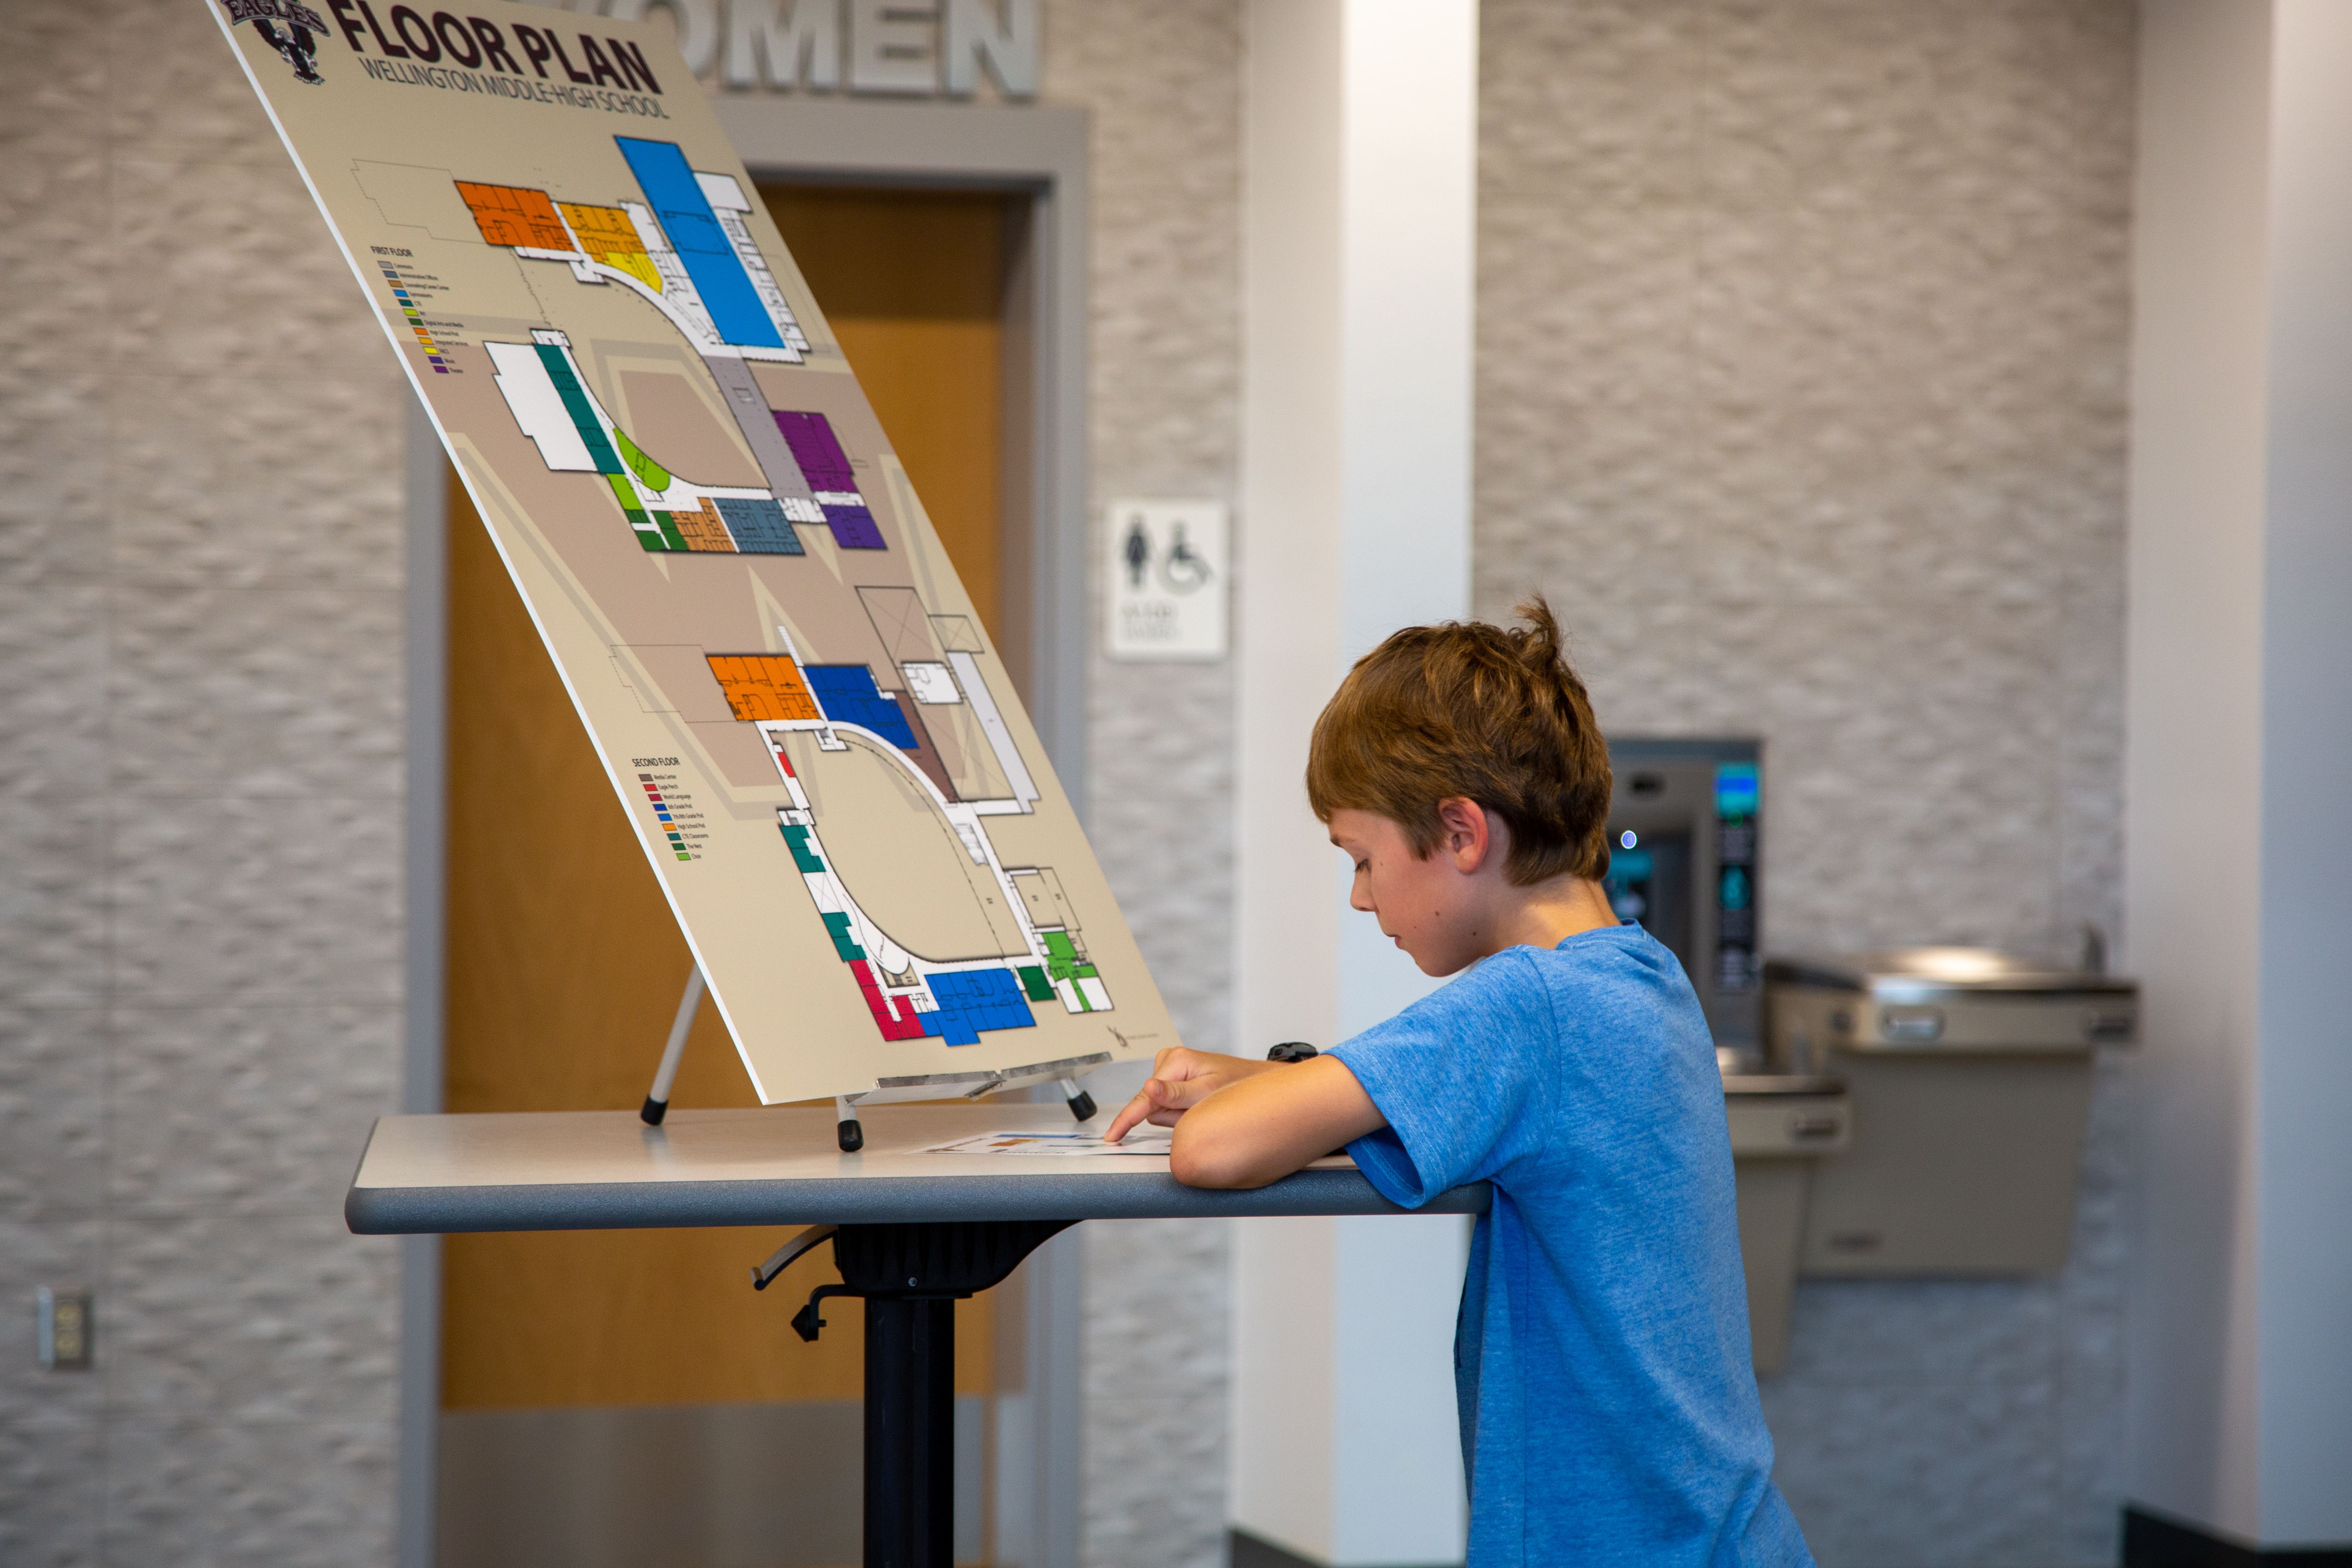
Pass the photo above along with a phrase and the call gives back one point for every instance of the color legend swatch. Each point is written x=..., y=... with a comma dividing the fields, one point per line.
x=668, y=818
x=415, y=318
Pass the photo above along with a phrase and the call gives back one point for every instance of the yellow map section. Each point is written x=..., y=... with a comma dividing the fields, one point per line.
x=607, y=234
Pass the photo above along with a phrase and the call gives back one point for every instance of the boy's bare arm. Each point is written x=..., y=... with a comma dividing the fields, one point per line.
x=1241, y=1123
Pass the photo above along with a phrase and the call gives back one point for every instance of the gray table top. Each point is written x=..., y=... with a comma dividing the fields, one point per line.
x=606, y=1170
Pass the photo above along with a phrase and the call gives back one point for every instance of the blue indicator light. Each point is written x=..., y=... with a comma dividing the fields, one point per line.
x=1736, y=789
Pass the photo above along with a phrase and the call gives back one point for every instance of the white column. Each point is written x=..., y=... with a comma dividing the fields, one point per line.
x=1360, y=153
x=2239, y=847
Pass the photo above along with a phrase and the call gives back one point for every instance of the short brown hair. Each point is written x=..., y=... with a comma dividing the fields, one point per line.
x=1471, y=710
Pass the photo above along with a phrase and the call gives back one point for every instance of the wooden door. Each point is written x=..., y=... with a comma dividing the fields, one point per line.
x=913, y=284
x=564, y=964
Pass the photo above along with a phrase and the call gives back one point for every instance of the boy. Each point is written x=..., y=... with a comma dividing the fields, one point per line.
x=1608, y=1405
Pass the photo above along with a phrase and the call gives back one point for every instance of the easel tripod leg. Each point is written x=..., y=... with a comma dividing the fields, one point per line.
x=850, y=1135
x=656, y=1104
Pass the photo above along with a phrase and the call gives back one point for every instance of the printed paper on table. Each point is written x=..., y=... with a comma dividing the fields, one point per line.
x=1147, y=1142
x=816, y=742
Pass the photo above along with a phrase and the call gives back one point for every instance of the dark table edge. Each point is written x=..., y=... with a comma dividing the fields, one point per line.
x=850, y=1200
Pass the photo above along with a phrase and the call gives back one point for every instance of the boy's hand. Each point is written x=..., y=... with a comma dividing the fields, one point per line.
x=1181, y=1079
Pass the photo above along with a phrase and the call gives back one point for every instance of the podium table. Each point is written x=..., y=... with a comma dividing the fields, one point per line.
x=915, y=1229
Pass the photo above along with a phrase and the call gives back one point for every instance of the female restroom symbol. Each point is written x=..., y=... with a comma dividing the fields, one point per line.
x=1138, y=553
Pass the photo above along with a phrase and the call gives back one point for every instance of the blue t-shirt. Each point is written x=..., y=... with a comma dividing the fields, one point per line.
x=1608, y=1401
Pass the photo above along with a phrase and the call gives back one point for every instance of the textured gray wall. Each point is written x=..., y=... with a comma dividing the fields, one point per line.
x=1163, y=80
x=200, y=962
x=199, y=714
x=1802, y=332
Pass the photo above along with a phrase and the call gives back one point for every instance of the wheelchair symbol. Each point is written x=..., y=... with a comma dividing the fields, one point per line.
x=1183, y=572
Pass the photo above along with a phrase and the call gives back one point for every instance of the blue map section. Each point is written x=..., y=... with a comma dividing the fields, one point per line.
x=758, y=526
x=975, y=999
x=702, y=245
x=847, y=694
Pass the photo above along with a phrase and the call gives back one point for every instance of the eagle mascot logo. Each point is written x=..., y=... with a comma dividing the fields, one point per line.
x=297, y=43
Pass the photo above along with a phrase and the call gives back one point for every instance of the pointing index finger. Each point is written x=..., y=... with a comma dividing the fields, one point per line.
x=1132, y=1112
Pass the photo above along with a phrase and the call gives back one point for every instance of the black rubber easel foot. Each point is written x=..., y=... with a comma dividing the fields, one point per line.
x=849, y=1135
x=653, y=1111
x=1082, y=1106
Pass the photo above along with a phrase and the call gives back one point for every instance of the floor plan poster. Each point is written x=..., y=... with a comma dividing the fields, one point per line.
x=821, y=751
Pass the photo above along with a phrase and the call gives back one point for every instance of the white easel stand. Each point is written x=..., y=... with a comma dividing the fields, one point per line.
x=847, y=1132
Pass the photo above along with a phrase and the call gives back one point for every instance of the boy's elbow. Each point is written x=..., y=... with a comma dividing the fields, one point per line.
x=1207, y=1160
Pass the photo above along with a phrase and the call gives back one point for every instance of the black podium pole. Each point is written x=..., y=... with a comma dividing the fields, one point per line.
x=911, y=1277
x=910, y=1432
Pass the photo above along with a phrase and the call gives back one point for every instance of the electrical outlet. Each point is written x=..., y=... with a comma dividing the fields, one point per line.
x=65, y=1330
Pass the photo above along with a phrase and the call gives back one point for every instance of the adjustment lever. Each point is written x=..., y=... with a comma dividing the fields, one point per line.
x=764, y=1274
x=805, y=1323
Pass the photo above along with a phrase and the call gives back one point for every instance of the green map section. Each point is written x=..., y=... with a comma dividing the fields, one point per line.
x=651, y=475
x=658, y=530
x=837, y=926
x=802, y=856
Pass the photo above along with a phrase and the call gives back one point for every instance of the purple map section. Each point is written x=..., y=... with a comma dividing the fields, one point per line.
x=821, y=459
x=854, y=528
x=826, y=467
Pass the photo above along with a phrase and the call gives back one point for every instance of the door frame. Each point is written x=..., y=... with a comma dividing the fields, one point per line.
x=1040, y=151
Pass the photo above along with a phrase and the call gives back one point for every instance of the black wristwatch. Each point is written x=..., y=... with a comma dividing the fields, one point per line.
x=1291, y=1051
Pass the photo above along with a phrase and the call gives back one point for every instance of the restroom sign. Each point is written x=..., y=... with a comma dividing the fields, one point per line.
x=1165, y=573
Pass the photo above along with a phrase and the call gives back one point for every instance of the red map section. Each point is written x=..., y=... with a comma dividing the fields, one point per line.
x=896, y=1015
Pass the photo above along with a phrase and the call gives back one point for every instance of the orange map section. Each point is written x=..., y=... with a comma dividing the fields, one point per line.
x=511, y=214
x=607, y=234
x=704, y=529
x=764, y=686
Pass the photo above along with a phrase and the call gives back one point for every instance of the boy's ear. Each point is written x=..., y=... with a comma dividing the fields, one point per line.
x=1468, y=831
